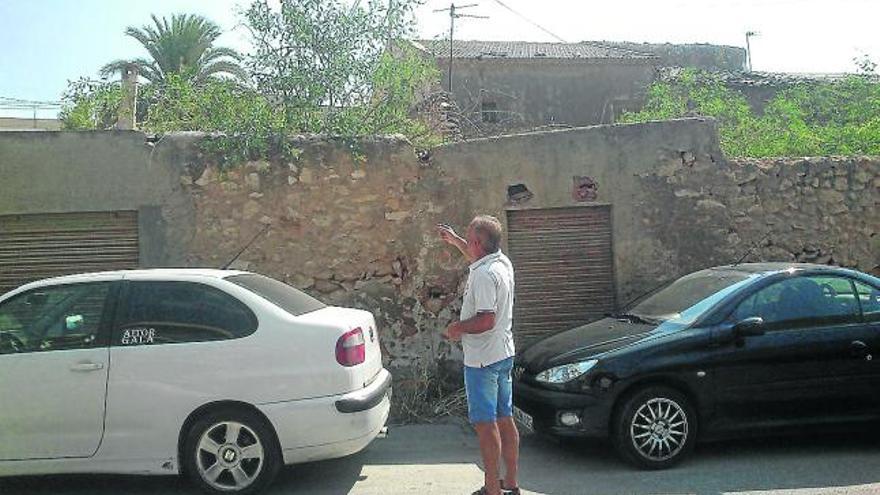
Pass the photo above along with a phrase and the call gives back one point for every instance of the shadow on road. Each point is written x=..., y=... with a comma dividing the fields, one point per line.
x=442, y=459
x=723, y=468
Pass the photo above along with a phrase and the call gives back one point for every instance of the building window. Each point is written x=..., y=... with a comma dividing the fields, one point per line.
x=490, y=112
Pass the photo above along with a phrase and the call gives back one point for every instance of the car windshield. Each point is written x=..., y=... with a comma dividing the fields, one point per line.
x=294, y=301
x=683, y=301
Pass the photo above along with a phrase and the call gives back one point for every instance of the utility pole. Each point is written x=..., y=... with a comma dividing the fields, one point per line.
x=453, y=15
x=749, y=34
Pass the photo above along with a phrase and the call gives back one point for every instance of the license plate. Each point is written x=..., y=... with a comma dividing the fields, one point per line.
x=523, y=419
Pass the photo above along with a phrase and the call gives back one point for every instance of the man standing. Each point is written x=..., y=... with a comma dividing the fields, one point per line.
x=485, y=331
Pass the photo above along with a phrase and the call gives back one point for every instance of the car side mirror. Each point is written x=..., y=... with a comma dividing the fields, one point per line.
x=750, y=327
x=73, y=323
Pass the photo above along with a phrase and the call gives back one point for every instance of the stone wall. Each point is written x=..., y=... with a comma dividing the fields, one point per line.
x=349, y=230
x=818, y=210
x=352, y=222
x=360, y=231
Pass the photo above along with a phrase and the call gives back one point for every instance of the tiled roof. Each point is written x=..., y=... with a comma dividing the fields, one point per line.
x=468, y=49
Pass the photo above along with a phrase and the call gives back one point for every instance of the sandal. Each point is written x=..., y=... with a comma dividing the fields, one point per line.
x=504, y=491
x=508, y=491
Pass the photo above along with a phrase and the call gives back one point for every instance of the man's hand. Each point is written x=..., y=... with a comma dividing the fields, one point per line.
x=482, y=322
x=448, y=235
x=453, y=332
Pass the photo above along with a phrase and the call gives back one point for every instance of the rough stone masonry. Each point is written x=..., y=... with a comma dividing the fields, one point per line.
x=352, y=222
x=359, y=231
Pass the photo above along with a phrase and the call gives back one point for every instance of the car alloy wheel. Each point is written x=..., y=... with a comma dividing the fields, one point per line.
x=231, y=452
x=654, y=427
x=230, y=456
x=659, y=429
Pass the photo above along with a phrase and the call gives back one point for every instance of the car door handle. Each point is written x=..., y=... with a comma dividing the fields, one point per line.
x=87, y=367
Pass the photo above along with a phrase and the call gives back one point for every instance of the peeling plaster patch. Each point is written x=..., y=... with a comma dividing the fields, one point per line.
x=253, y=181
x=396, y=216
x=399, y=270
x=584, y=189
x=435, y=299
x=687, y=158
x=518, y=194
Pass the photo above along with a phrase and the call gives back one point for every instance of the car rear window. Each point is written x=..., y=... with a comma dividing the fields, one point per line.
x=294, y=301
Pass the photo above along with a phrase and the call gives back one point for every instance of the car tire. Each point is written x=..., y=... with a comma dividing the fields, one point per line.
x=231, y=452
x=654, y=428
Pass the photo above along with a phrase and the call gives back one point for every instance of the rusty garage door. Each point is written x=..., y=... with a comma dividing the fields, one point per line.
x=563, y=264
x=51, y=244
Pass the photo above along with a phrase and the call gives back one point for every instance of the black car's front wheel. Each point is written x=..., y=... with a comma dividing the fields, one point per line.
x=655, y=427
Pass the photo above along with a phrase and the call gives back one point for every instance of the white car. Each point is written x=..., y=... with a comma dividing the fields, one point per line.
x=221, y=375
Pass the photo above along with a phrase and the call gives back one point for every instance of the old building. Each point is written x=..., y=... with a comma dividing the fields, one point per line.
x=504, y=86
x=515, y=85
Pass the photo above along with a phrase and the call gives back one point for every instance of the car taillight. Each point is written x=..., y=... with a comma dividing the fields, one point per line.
x=351, y=348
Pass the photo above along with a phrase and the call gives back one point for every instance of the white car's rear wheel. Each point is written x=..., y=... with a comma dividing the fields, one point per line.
x=231, y=452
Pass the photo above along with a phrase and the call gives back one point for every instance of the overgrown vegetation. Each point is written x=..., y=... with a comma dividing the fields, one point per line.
x=246, y=125
x=809, y=119
x=318, y=66
x=90, y=104
x=427, y=392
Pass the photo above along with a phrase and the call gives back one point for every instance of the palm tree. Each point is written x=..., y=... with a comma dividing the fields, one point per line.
x=183, y=47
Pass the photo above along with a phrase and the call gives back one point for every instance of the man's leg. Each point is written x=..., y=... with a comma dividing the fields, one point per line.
x=490, y=449
x=509, y=450
x=506, y=426
x=481, y=385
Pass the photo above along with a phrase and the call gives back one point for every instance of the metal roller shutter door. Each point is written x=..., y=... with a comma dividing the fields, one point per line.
x=563, y=264
x=44, y=245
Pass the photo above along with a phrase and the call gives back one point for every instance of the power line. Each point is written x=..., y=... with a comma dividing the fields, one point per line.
x=533, y=23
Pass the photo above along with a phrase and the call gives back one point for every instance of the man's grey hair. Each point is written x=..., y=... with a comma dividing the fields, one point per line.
x=488, y=229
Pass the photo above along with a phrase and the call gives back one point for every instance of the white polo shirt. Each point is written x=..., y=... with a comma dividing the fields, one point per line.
x=489, y=288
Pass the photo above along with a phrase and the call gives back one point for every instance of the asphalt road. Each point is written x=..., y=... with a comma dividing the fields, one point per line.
x=442, y=459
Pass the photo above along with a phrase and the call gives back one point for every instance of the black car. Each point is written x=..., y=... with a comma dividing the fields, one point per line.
x=719, y=352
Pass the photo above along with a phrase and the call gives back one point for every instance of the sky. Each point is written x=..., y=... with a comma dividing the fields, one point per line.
x=45, y=43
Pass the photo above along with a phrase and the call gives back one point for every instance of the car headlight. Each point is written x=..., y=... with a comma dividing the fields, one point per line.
x=566, y=372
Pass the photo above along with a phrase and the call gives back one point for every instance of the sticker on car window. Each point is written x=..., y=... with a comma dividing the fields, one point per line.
x=135, y=336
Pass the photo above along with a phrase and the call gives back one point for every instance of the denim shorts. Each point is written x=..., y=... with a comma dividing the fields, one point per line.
x=489, y=391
